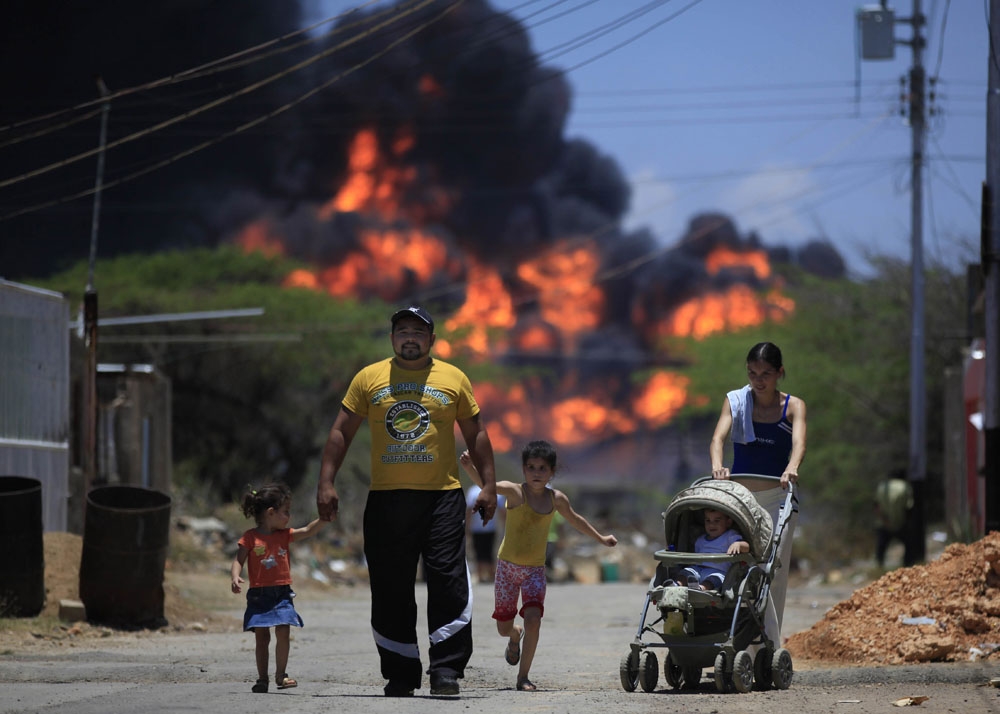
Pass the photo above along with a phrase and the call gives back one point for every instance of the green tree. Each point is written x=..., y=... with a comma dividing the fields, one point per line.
x=252, y=397
x=846, y=349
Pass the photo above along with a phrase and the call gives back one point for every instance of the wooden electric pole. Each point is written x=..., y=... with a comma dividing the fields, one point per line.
x=918, y=391
x=90, y=405
x=876, y=30
x=990, y=257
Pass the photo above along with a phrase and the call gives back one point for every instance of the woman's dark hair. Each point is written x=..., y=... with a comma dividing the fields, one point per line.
x=270, y=495
x=765, y=352
x=539, y=450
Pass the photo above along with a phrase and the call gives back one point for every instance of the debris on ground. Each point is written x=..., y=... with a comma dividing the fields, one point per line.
x=947, y=610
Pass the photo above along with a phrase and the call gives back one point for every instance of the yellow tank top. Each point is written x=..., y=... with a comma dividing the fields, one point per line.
x=526, y=533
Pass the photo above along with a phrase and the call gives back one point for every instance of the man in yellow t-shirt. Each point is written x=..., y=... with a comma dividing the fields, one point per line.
x=416, y=506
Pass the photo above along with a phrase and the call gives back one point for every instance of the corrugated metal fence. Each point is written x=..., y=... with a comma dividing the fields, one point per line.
x=35, y=393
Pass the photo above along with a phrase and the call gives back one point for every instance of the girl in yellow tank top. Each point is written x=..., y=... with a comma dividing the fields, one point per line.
x=521, y=560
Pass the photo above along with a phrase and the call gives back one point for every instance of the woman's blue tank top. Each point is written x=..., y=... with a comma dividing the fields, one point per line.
x=768, y=454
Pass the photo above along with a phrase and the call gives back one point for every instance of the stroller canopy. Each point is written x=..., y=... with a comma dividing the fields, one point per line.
x=733, y=499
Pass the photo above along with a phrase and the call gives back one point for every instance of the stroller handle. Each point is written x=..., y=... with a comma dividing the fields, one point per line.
x=753, y=482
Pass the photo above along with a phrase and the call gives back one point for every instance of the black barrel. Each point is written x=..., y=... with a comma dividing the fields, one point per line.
x=125, y=538
x=22, y=565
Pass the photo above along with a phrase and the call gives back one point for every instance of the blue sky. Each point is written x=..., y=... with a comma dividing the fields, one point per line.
x=760, y=109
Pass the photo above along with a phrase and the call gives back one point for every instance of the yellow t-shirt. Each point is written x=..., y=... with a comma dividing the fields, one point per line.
x=526, y=533
x=412, y=416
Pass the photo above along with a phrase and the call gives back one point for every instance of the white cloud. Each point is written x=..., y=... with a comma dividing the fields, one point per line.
x=771, y=202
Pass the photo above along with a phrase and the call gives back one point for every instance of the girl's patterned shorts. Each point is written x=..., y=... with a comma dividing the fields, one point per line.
x=512, y=580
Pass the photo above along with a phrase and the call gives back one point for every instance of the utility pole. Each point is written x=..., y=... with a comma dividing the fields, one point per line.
x=918, y=391
x=990, y=257
x=90, y=405
x=876, y=25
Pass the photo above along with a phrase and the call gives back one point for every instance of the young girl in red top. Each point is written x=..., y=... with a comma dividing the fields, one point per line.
x=264, y=549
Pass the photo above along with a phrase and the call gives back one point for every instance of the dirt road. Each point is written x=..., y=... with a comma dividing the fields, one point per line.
x=585, y=631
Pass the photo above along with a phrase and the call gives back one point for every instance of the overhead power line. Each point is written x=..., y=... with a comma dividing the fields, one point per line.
x=240, y=129
x=229, y=97
x=552, y=54
x=50, y=129
x=216, y=65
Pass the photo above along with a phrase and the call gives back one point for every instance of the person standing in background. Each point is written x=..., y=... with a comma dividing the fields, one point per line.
x=552, y=543
x=483, y=535
x=893, y=502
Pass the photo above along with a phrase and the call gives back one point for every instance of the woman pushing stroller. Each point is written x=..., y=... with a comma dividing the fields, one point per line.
x=767, y=426
x=768, y=430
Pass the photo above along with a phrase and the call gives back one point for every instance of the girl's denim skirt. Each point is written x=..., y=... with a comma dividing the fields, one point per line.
x=270, y=606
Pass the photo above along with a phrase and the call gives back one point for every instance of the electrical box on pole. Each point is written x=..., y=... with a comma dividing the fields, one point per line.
x=875, y=32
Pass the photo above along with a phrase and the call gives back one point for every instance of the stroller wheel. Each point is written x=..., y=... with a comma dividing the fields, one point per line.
x=692, y=677
x=649, y=671
x=723, y=673
x=762, y=669
x=628, y=669
x=743, y=672
x=673, y=672
x=781, y=668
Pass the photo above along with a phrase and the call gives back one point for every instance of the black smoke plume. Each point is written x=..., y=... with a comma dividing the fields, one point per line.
x=486, y=118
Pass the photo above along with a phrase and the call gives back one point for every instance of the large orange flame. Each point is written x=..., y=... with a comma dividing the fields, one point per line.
x=701, y=316
x=487, y=305
x=733, y=309
x=257, y=237
x=723, y=257
x=564, y=278
x=581, y=420
x=395, y=256
x=537, y=338
x=373, y=184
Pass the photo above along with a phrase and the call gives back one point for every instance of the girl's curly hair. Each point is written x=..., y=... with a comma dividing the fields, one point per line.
x=271, y=495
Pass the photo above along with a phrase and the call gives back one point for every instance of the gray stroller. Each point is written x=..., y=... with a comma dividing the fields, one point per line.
x=724, y=628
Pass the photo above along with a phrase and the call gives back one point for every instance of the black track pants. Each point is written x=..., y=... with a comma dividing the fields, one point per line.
x=400, y=526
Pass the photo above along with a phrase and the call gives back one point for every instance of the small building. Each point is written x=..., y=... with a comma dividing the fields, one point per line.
x=133, y=427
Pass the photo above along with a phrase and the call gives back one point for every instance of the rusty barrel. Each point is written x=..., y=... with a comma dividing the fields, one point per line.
x=22, y=565
x=125, y=539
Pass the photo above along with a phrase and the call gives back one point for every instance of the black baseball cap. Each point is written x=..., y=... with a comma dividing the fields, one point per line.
x=414, y=311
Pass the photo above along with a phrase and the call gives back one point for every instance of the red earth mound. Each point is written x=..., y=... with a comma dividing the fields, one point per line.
x=944, y=611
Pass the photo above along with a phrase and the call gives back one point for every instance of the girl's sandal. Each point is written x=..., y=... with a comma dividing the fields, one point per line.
x=512, y=655
x=285, y=682
x=260, y=687
x=525, y=685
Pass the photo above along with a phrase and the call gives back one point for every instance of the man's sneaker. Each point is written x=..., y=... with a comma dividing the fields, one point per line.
x=395, y=689
x=444, y=685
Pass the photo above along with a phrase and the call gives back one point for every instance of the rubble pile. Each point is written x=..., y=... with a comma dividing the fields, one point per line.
x=944, y=611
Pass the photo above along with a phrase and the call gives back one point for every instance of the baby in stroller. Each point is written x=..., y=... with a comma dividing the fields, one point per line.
x=719, y=537
x=718, y=619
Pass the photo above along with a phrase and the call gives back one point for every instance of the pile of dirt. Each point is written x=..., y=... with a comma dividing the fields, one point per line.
x=945, y=611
